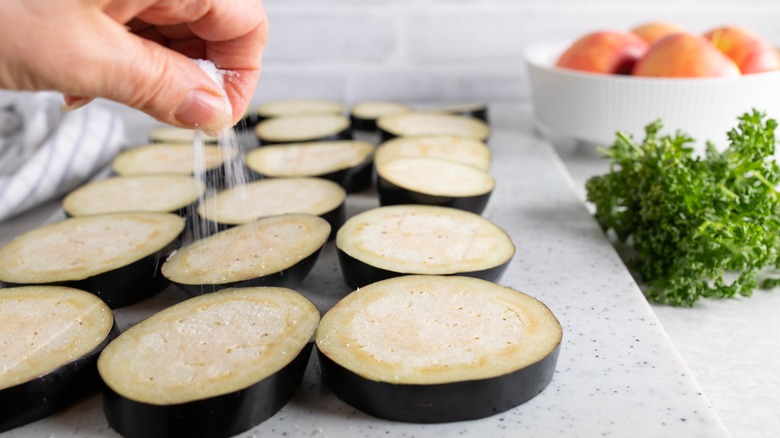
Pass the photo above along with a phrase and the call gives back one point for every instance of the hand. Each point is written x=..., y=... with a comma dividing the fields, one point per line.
x=138, y=52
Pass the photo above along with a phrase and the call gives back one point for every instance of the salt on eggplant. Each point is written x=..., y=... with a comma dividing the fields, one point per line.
x=211, y=366
x=390, y=241
x=430, y=123
x=346, y=162
x=461, y=149
x=153, y=193
x=272, y=251
x=51, y=337
x=274, y=196
x=290, y=107
x=433, y=181
x=363, y=115
x=434, y=349
x=179, y=159
x=303, y=128
x=116, y=256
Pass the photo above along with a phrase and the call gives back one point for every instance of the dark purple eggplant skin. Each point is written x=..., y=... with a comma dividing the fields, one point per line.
x=358, y=274
x=363, y=125
x=291, y=277
x=221, y=416
x=54, y=391
x=345, y=134
x=335, y=218
x=439, y=403
x=124, y=285
x=353, y=179
x=391, y=194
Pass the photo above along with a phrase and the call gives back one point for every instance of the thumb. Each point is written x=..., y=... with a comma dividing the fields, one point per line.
x=164, y=84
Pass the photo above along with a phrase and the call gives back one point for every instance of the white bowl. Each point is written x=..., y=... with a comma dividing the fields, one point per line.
x=590, y=107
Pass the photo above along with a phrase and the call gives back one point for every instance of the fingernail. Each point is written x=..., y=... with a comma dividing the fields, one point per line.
x=201, y=109
x=72, y=105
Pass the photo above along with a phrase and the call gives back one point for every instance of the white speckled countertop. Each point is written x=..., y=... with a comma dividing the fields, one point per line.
x=618, y=374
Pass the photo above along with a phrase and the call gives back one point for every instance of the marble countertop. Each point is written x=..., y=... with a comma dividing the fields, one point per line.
x=626, y=368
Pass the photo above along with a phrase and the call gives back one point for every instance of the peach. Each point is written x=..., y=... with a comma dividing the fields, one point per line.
x=681, y=55
x=610, y=52
x=655, y=30
x=750, y=51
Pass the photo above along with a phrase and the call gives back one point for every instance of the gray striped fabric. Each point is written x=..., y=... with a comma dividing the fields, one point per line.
x=44, y=153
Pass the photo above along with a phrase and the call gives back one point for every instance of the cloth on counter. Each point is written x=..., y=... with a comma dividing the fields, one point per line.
x=44, y=153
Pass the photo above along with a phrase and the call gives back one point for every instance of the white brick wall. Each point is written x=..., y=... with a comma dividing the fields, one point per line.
x=452, y=50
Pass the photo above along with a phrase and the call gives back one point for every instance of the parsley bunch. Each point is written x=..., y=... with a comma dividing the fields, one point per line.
x=691, y=219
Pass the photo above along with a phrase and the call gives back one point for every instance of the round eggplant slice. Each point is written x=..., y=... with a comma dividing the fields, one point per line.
x=115, y=256
x=179, y=159
x=275, y=196
x=211, y=366
x=390, y=241
x=429, y=123
x=51, y=338
x=170, y=134
x=152, y=193
x=296, y=129
x=364, y=115
x=346, y=162
x=297, y=107
x=273, y=251
x=463, y=150
x=433, y=181
x=477, y=110
x=433, y=349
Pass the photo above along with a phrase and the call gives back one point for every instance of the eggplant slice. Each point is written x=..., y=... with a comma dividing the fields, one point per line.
x=395, y=240
x=115, y=256
x=433, y=181
x=297, y=107
x=364, y=115
x=180, y=159
x=51, y=338
x=152, y=193
x=346, y=162
x=272, y=251
x=449, y=147
x=274, y=196
x=429, y=123
x=433, y=349
x=211, y=366
x=303, y=128
x=171, y=134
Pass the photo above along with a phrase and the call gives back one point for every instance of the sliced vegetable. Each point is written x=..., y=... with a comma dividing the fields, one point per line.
x=433, y=181
x=115, y=256
x=433, y=349
x=211, y=366
x=364, y=115
x=346, y=162
x=477, y=110
x=51, y=338
x=170, y=134
x=296, y=129
x=429, y=123
x=390, y=241
x=272, y=251
x=461, y=149
x=152, y=193
x=274, y=196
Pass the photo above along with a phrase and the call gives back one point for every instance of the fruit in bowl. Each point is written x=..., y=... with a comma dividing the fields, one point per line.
x=655, y=30
x=606, y=51
x=683, y=54
x=751, y=52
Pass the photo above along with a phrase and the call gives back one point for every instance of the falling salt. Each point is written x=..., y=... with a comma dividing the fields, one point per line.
x=233, y=173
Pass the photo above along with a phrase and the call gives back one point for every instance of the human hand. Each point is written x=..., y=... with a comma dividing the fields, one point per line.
x=139, y=53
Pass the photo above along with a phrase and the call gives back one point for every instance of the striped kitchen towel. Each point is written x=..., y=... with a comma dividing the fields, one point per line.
x=44, y=153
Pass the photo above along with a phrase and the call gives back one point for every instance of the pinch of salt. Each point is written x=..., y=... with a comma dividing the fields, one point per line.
x=215, y=74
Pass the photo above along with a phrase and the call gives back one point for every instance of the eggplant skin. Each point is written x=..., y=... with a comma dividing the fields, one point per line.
x=439, y=403
x=358, y=274
x=335, y=218
x=391, y=194
x=221, y=416
x=53, y=391
x=291, y=278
